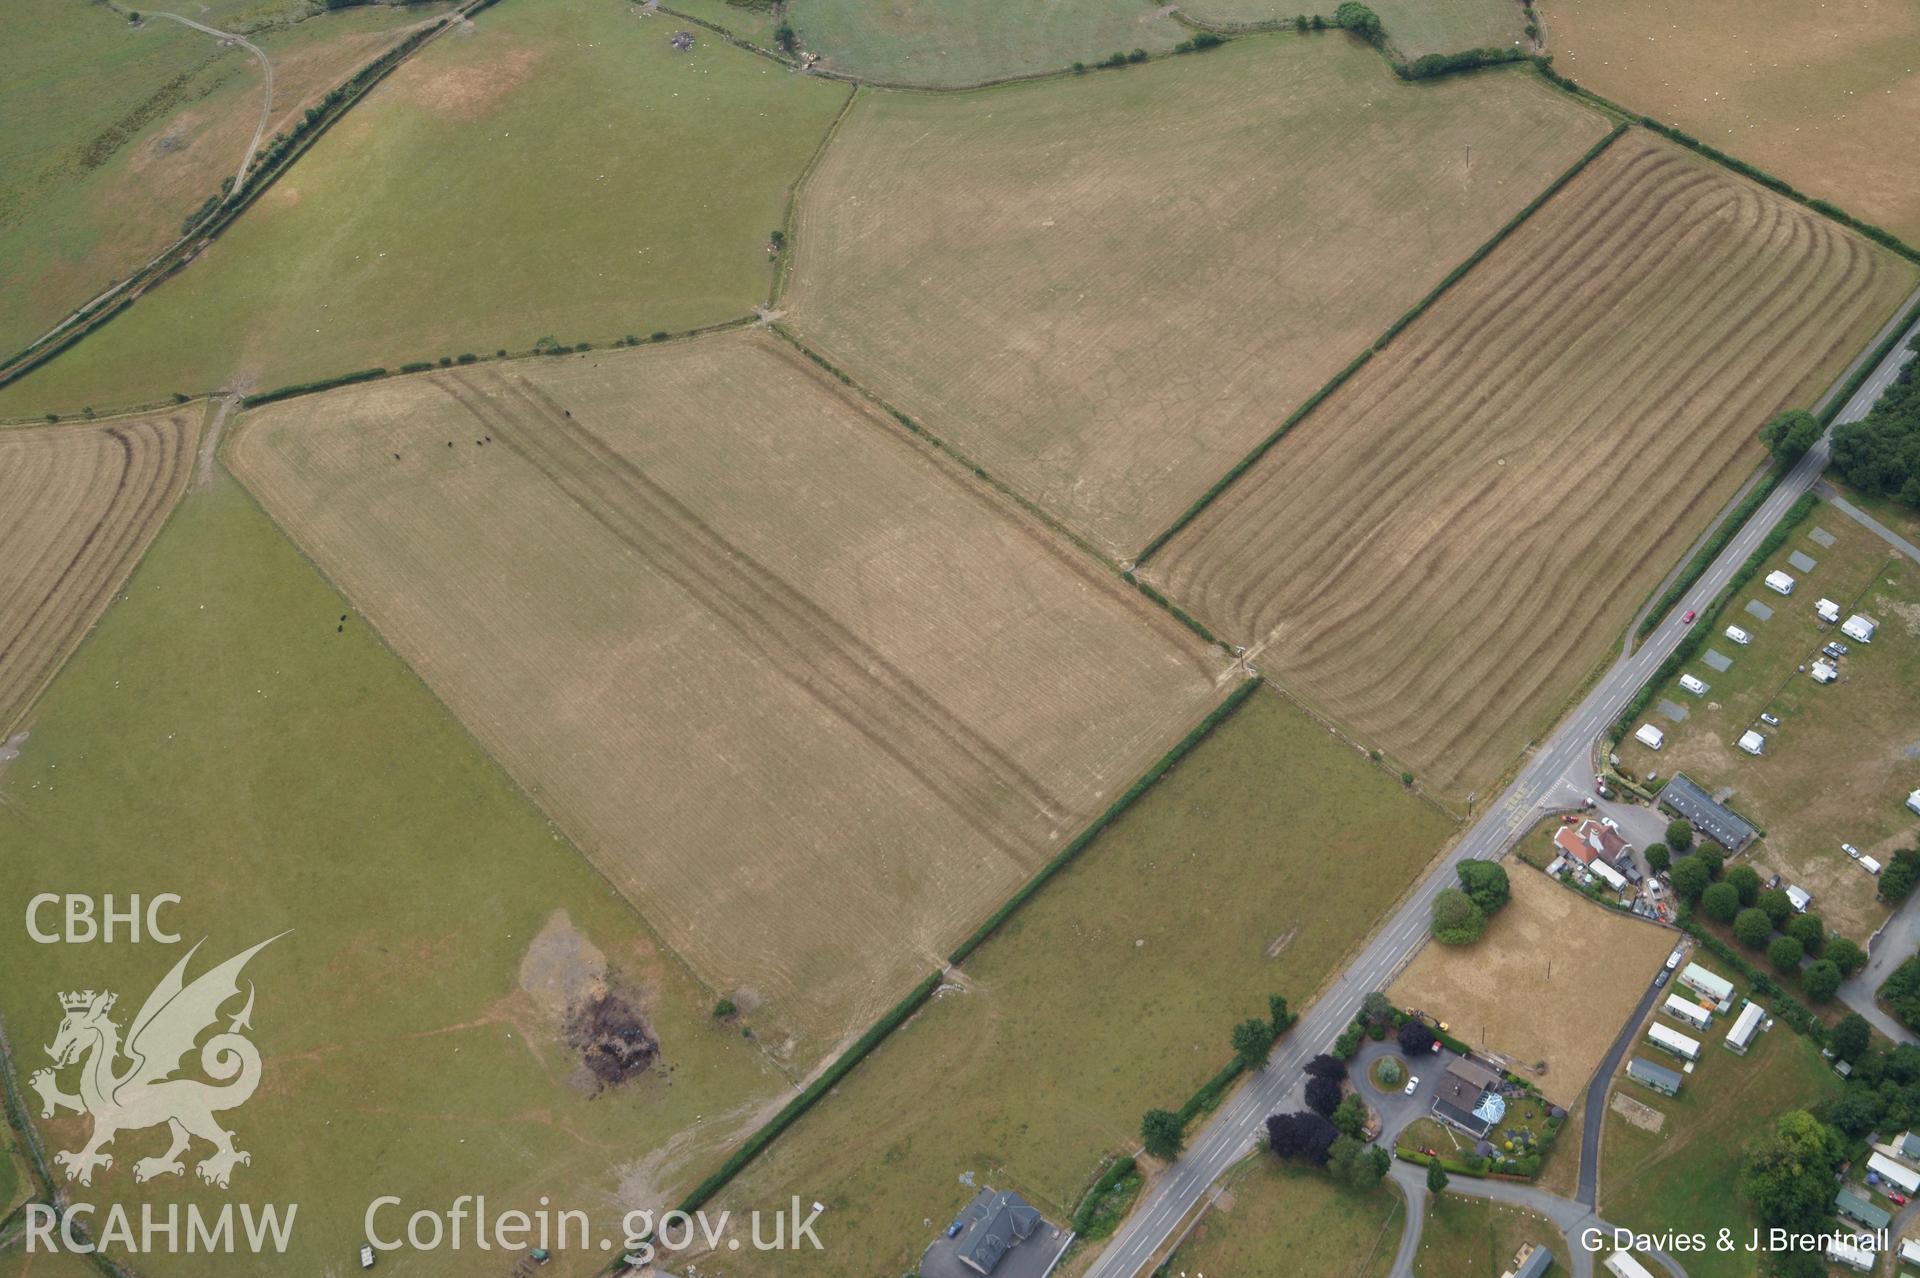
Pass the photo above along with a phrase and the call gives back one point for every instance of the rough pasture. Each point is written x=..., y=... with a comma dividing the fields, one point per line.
x=1440, y=552
x=1107, y=289
x=78, y=505
x=556, y=170
x=1413, y=27
x=1826, y=96
x=814, y=700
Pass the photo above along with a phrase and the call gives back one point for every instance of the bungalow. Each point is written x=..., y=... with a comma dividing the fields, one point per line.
x=1779, y=582
x=1001, y=1222
x=1658, y=1077
x=1827, y=610
x=1701, y=981
x=1752, y=742
x=1859, y=628
x=1898, y=1174
x=1673, y=1042
x=1468, y=1098
x=1852, y=1205
x=1649, y=736
x=1692, y=1013
x=1745, y=1026
x=1841, y=1251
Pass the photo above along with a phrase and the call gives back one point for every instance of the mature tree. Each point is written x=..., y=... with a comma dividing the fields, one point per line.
x=1690, y=878
x=1278, y=1015
x=1323, y=1095
x=1390, y=1072
x=1777, y=904
x=1376, y=1006
x=1485, y=883
x=1881, y=453
x=1456, y=919
x=1846, y=954
x=1252, y=1040
x=1752, y=927
x=1162, y=1132
x=1746, y=881
x=1720, y=902
x=1679, y=835
x=1791, y=433
x=1789, y=1172
x=1857, y=1112
x=1659, y=860
x=1809, y=931
x=1820, y=980
x=1436, y=1177
x=1415, y=1038
x=1900, y=877
x=1303, y=1135
x=1902, y=992
x=1712, y=857
x=1350, y=1116
x=1785, y=954
x=1850, y=1037
x=1362, y=21
x=1353, y=1164
x=1325, y=1066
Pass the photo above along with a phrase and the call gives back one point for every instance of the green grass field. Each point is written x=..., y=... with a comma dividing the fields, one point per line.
x=557, y=171
x=948, y=43
x=1807, y=805
x=1414, y=26
x=1686, y=1176
x=1476, y=1238
x=233, y=733
x=1253, y=867
x=1280, y=1218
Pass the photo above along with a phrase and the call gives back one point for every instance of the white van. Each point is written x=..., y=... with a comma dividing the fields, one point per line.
x=1739, y=636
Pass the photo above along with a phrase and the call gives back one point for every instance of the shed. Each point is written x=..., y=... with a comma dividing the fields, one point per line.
x=1909, y=1147
x=1859, y=628
x=1650, y=736
x=1694, y=685
x=1752, y=742
x=1827, y=610
x=1658, y=1077
x=1712, y=984
x=1853, y=1205
x=1897, y=1173
x=1622, y=1265
x=1779, y=582
x=1667, y=1040
x=1745, y=1026
x=1692, y=1013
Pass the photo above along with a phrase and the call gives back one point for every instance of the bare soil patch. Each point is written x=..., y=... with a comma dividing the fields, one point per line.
x=1645, y=1117
x=814, y=700
x=1441, y=552
x=470, y=87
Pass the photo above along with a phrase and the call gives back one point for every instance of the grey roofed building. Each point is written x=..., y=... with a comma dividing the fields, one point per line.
x=1539, y=1260
x=1454, y=1103
x=1855, y=1207
x=1910, y=1147
x=1658, y=1077
x=1715, y=820
x=1473, y=1073
x=1002, y=1221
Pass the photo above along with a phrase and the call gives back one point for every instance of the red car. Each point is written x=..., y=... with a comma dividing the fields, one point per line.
x=1898, y=1200
x=1688, y=619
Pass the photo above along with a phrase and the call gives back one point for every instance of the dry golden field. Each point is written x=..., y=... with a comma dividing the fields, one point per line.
x=78, y=505
x=1443, y=550
x=812, y=698
x=1107, y=289
x=1826, y=96
x=1553, y=980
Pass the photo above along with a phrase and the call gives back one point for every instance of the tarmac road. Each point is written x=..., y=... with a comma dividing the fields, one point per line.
x=1556, y=775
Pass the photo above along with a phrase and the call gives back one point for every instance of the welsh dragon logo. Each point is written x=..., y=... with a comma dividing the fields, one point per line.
x=144, y=1092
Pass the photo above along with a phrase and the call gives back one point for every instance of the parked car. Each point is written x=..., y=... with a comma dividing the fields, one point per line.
x=1673, y=960
x=1660, y=977
x=1770, y=720
x=1835, y=651
x=1413, y=1081
x=1850, y=850
x=953, y=1230
x=1897, y=1198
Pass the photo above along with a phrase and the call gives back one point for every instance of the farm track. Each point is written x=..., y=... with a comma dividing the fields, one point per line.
x=78, y=505
x=844, y=674
x=1394, y=559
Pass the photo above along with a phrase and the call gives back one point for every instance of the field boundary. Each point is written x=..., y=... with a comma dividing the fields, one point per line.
x=783, y=267
x=273, y=160
x=1779, y=186
x=1380, y=343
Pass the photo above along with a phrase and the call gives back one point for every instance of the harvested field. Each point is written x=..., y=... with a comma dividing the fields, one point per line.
x=1442, y=551
x=1414, y=27
x=1553, y=980
x=554, y=171
x=1253, y=867
x=816, y=701
x=1107, y=289
x=951, y=43
x=78, y=505
x=1826, y=96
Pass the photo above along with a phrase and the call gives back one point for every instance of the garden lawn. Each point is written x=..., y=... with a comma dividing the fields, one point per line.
x=555, y=170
